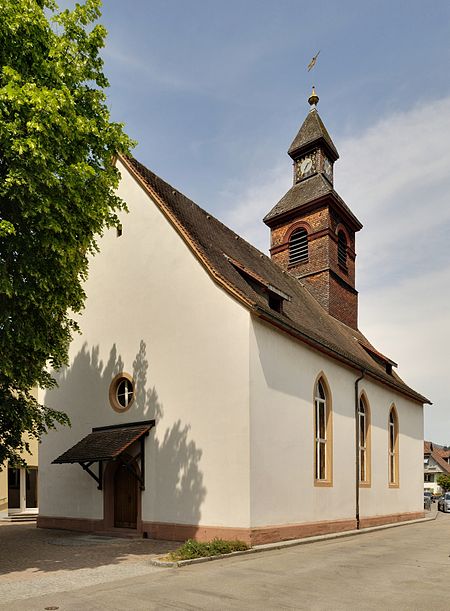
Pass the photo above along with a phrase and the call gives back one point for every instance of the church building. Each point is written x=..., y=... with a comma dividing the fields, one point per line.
x=218, y=392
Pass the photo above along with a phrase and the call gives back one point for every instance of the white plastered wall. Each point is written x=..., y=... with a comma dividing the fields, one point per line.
x=379, y=498
x=153, y=311
x=282, y=376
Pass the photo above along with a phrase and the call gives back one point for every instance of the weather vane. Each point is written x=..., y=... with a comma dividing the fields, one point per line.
x=312, y=63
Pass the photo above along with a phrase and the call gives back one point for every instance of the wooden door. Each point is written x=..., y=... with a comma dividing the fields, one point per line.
x=125, y=498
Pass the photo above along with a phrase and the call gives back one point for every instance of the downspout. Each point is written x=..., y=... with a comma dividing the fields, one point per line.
x=357, y=447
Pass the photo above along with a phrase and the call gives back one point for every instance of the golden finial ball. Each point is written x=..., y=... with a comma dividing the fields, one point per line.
x=313, y=98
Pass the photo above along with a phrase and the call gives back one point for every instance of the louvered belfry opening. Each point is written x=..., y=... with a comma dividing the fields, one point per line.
x=298, y=247
x=342, y=249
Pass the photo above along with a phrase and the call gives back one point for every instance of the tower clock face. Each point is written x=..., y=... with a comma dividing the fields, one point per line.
x=306, y=166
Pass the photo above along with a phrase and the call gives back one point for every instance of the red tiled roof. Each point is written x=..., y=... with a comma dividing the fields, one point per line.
x=441, y=462
x=104, y=444
x=222, y=252
x=438, y=453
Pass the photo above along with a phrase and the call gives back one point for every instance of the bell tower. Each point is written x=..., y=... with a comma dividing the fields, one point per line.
x=312, y=228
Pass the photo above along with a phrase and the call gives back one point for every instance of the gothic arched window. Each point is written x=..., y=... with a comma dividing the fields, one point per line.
x=342, y=249
x=364, y=441
x=393, y=447
x=298, y=246
x=323, y=433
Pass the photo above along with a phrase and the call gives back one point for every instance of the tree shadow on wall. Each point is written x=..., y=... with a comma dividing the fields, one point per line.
x=174, y=483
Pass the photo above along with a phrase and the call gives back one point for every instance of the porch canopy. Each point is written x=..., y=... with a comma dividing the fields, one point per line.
x=106, y=444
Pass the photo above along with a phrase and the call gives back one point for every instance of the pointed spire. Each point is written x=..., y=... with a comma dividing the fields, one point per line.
x=312, y=132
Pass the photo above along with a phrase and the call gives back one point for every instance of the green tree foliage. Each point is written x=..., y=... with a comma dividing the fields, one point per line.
x=444, y=482
x=57, y=183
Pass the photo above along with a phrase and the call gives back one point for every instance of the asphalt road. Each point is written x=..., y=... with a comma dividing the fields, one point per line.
x=399, y=568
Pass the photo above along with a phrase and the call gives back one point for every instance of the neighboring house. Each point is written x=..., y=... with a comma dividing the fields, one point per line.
x=215, y=391
x=436, y=461
x=19, y=485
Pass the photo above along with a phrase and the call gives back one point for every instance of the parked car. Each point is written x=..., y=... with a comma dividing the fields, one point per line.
x=444, y=503
x=427, y=499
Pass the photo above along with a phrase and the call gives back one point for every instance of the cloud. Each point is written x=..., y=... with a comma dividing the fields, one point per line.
x=395, y=177
x=410, y=322
x=255, y=202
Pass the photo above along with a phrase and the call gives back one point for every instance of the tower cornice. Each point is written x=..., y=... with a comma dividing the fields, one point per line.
x=293, y=208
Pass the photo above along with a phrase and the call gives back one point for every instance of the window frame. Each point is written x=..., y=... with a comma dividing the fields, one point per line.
x=114, y=388
x=366, y=448
x=320, y=441
x=393, y=448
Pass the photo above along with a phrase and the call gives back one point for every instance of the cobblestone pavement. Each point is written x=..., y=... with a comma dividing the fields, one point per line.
x=36, y=561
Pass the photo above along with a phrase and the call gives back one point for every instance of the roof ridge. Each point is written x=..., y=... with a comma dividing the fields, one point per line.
x=210, y=216
x=303, y=316
x=207, y=214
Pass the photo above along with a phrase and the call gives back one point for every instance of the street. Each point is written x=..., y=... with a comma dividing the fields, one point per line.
x=398, y=568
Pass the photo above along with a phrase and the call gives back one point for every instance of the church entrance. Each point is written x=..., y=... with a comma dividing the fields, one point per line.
x=125, y=497
x=114, y=457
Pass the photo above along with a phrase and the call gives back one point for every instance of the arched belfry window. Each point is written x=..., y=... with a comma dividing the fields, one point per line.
x=393, y=448
x=323, y=432
x=364, y=441
x=342, y=249
x=298, y=246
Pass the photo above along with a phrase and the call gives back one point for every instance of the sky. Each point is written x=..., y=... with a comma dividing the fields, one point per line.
x=214, y=92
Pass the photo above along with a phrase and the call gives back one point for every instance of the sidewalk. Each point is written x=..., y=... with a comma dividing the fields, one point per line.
x=35, y=561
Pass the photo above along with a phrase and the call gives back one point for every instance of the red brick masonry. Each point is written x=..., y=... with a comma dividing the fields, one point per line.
x=252, y=536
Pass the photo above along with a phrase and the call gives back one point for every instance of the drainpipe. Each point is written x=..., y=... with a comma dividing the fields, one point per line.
x=357, y=447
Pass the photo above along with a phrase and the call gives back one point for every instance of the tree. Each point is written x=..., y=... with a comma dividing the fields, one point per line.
x=444, y=482
x=57, y=194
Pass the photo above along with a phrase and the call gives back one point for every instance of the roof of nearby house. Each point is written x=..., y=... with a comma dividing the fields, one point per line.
x=438, y=453
x=240, y=268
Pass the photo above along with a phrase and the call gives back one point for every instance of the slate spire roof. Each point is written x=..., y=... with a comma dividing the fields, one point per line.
x=312, y=132
x=252, y=278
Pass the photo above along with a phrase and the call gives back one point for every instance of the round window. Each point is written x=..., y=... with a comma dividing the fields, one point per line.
x=121, y=392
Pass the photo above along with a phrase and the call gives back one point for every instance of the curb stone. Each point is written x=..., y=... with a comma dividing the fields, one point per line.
x=279, y=545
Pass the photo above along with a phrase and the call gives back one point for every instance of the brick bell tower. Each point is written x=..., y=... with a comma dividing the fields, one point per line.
x=312, y=229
